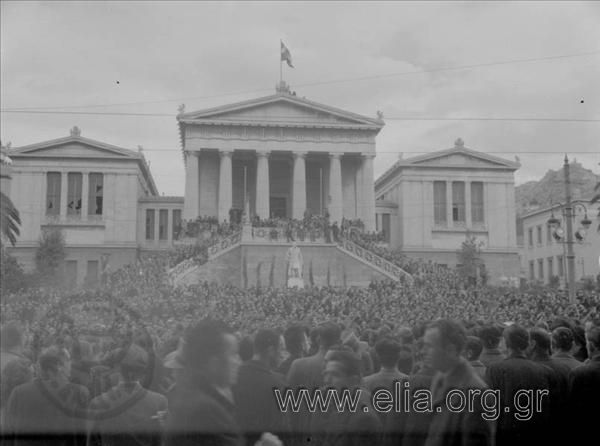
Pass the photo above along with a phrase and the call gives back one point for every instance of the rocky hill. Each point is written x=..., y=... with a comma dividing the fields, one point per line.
x=551, y=188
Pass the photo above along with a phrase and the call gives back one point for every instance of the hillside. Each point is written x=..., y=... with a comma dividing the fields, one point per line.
x=551, y=188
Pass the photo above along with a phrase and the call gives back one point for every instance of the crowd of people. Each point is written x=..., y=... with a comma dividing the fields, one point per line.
x=138, y=361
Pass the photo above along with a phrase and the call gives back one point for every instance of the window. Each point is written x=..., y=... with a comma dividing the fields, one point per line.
x=477, y=202
x=531, y=270
x=385, y=226
x=530, y=233
x=439, y=202
x=539, y=234
x=149, y=224
x=53, y=183
x=458, y=202
x=163, y=222
x=176, y=223
x=71, y=273
x=74, y=193
x=96, y=194
x=541, y=269
x=550, y=267
x=548, y=235
x=560, y=265
x=91, y=278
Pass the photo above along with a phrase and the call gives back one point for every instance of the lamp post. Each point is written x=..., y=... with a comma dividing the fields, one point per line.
x=569, y=215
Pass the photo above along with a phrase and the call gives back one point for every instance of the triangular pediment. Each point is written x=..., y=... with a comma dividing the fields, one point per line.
x=281, y=109
x=74, y=147
x=460, y=157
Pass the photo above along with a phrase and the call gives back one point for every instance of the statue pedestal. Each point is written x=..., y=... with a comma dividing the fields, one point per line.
x=246, y=232
x=295, y=282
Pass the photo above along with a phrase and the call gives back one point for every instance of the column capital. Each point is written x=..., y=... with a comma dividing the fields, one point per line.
x=263, y=153
x=299, y=154
x=335, y=156
x=225, y=152
x=368, y=155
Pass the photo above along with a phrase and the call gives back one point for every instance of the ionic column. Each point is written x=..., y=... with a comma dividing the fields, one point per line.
x=192, y=187
x=262, y=185
x=85, y=194
x=468, y=221
x=335, y=189
x=225, y=185
x=368, y=193
x=299, y=186
x=64, y=184
x=449, y=204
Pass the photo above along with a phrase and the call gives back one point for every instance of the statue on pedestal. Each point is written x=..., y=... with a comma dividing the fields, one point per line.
x=295, y=267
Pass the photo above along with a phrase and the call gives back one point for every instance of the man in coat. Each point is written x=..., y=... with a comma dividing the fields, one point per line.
x=257, y=408
x=444, y=342
x=519, y=379
x=584, y=386
x=50, y=410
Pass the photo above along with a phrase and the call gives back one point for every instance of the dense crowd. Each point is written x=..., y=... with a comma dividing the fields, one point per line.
x=129, y=363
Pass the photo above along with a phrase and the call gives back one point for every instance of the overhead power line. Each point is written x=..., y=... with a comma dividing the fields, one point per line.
x=329, y=82
x=405, y=118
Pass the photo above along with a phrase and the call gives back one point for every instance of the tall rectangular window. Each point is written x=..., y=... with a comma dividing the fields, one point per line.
x=53, y=184
x=458, y=201
x=386, y=226
x=91, y=277
x=439, y=202
x=560, y=265
x=530, y=236
x=541, y=269
x=96, y=194
x=548, y=235
x=74, y=193
x=176, y=223
x=531, y=270
x=163, y=223
x=477, y=202
x=71, y=273
x=550, y=267
x=149, y=224
x=539, y=234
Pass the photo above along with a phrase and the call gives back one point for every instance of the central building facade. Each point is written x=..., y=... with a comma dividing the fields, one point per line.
x=281, y=154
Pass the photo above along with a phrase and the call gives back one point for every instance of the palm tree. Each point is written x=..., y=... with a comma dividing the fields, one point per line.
x=9, y=215
x=596, y=199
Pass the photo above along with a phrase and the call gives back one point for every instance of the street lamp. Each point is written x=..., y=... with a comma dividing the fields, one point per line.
x=569, y=216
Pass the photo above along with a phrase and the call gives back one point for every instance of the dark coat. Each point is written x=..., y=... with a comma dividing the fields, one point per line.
x=305, y=373
x=346, y=428
x=509, y=376
x=408, y=428
x=459, y=428
x=52, y=413
x=567, y=359
x=200, y=415
x=256, y=405
x=127, y=415
x=584, y=387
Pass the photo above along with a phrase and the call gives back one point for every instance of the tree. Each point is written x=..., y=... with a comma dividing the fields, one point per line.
x=9, y=215
x=469, y=260
x=13, y=276
x=50, y=254
x=596, y=199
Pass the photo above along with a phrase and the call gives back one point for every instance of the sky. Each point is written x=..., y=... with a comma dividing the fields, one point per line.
x=429, y=61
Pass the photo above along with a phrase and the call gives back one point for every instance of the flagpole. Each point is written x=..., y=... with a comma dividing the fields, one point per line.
x=280, y=63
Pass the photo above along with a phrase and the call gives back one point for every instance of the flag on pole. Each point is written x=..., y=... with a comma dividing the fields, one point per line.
x=286, y=55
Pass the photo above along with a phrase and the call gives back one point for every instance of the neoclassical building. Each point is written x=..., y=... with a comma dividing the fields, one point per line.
x=284, y=155
x=102, y=197
x=427, y=205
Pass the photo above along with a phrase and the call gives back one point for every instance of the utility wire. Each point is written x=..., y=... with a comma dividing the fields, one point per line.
x=406, y=118
x=330, y=82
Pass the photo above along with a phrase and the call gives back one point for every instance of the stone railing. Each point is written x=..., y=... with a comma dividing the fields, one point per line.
x=373, y=259
x=280, y=235
x=224, y=244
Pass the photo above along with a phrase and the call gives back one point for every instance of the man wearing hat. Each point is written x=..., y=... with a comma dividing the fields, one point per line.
x=128, y=413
